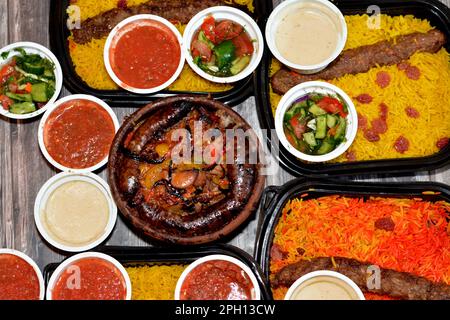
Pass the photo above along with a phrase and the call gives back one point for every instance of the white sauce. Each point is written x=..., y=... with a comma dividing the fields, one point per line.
x=76, y=213
x=307, y=34
x=324, y=288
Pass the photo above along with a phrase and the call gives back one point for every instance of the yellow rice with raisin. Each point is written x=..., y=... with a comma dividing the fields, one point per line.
x=429, y=95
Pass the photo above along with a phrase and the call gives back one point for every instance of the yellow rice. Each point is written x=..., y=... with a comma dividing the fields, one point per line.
x=430, y=95
x=88, y=58
x=156, y=282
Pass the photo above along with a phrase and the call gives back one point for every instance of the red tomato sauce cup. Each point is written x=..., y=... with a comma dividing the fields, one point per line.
x=143, y=54
x=77, y=132
x=20, y=277
x=89, y=276
x=217, y=277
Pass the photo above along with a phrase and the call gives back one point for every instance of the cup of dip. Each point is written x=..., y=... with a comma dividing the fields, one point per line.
x=20, y=277
x=76, y=133
x=75, y=212
x=143, y=54
x=306, y=35
x=324, y=285
x=208, y=278
x=89, y=276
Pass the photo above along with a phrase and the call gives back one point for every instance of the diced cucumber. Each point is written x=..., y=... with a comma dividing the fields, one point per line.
x=326, y=147
x=49, y=74
x=309, y=139
x=37, y=69
x=20, y=97
x=239, y=64
x=331, y=120
x=50, y=91
x=321, y=127
x=316, y=110
x=202, y=37
x=303, y=112
x=22, y=108
x=340, y=131
x=39, y=92
x=296, y=108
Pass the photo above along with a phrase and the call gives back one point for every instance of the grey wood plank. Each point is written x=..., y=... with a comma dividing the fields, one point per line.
x=6, y=183
x=28, y=168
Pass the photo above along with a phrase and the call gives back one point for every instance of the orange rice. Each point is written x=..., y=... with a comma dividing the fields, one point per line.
x=337, y=226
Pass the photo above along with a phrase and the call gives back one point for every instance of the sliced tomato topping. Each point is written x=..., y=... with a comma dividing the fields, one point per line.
x=6, y=102
x=13, y=87
x=227, y=30
x=201, y=49
x=298, y=127
x=243, y=44
x=332, y=131
x=6, y=72
x=332, y=105
x=28, y=87
x=290, y=138
x=209, y=28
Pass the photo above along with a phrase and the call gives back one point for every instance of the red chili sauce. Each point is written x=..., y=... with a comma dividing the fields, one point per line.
x=217, y=280
x=78, y=134
x=98, y=280
x=18, y=279
x=145, y=55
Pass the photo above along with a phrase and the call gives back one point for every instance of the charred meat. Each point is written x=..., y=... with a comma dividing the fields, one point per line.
x=362, y=59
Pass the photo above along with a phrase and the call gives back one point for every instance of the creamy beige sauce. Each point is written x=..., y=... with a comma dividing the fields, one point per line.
x=76, y=213
x=307, y=34
x=324, y=288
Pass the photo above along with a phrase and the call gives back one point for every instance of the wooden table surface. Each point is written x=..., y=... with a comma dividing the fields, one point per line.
x=23, y=169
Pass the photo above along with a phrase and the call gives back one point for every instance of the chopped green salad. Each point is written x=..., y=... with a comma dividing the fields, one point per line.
x=27, y=82
x=221, y=48
x=316, y=124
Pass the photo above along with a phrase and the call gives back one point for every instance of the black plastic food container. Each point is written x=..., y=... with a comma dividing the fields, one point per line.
x=59, y=45
x=439, y=16
x=275, y=198
x=167, y=256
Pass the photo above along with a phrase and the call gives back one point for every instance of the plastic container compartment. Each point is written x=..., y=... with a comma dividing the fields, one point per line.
x=130, y=256
x=275, y=198
x=439, y=16
x=58, y=42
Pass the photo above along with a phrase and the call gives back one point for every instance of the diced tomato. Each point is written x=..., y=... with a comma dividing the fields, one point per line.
x=332, y=131
x=332, y=105
x=298, y=127
x=290, y=138
x=243, y=44
x=201, y=49
x=209, y=28
x=6, y=72
x=6, y=102
x=227, y=30
x=28, y=87
x=13, y=87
